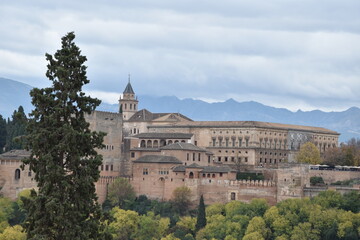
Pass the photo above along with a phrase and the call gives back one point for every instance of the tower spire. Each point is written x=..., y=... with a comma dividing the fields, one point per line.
x=129, y=77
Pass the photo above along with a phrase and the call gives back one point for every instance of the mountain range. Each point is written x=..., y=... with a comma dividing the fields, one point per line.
x=13, y=94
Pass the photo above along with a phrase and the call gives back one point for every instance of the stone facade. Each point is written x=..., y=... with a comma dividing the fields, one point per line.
x=159, y=152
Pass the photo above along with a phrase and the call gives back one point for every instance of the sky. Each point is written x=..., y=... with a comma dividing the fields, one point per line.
x=282, y=53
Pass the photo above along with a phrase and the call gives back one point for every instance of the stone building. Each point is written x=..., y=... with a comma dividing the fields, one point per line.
x=161, y=151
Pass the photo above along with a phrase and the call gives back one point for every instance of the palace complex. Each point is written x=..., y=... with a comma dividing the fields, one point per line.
x=159, y=152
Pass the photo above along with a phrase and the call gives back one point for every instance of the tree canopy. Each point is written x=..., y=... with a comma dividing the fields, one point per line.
x=63, y=155
x=309, y=153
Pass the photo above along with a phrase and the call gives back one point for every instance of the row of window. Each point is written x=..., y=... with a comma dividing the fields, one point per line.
x=226, y=151
x=270, y=160
x=232, y=159
x=17, y=174
x=228, y=143
x=270, y=153
x=107, y=168
x=156, y=143
x=109, y=147
x=131, y=106
x=193, y=156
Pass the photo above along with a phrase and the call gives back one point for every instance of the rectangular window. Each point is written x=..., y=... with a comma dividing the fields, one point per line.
x=106, y=167
x=187, y=156
x=199, y=157
x=219, y=159
x=213, y=142
x=132, y=154
x=193, y=156
x=111, y=167
x=246, y=159
x=240, y=142
x=145, y=171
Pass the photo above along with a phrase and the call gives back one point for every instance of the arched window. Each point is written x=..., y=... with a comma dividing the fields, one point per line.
x=143, y=144
x=170, y=142
x=149, y=144
x=17, y=174
x=233, y=196
x=213, y=175
x=156, y=144
x=162, y=143
x=191, y=175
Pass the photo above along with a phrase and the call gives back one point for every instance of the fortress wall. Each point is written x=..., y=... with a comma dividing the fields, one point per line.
x=10, y=186
x=334, y=176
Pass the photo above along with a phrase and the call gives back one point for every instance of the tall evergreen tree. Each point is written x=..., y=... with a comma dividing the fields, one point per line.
x=16, y=130
x=201, y=215
x=3, y=133
x=63, y=155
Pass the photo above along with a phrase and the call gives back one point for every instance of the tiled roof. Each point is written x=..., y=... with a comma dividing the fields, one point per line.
x=157, y=159
x=180, y=168
x=246, y=124
x=164, y=135
x=15, y=155
x=183, y=146
x=144, y=115
x=143, y=149
x=194, y=165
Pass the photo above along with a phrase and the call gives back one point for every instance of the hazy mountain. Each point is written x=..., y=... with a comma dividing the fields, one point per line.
x=13, y=94
x=345, y=122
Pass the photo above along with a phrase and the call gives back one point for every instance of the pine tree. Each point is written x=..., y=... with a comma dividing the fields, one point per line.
x=63, y=155
x=201, y=215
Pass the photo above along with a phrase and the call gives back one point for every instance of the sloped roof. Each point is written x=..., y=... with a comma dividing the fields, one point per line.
x=15, y=155
x=194, y=165
x=145, y=115
x=157, y=159
x=180, y=168
x=164, y=135
x=129, y=89
x=247, y=124
x=183, y=146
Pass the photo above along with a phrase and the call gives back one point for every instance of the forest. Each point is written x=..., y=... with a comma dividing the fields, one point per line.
x=329, y=215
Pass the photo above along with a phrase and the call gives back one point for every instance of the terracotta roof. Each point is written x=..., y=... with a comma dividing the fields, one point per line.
x=183, y=146
x=164, y=135
x=157, y=159
x=246, y=124
x=15, y=155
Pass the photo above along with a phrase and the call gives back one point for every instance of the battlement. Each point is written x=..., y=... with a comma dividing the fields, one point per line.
x=232, y=183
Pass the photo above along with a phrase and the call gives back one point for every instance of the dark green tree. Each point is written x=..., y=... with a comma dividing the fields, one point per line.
x=201, y=215
x=3, y=133
x=16, y=130
x=63, y=155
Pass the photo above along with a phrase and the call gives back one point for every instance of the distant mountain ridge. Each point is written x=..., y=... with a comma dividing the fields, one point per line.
x=13, y=94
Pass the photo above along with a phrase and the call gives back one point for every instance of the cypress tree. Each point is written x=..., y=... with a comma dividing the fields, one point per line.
x=63, y=155
x=3, y=133
x=201, y=215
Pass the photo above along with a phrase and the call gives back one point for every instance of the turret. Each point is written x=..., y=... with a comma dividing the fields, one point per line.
x=128, y=103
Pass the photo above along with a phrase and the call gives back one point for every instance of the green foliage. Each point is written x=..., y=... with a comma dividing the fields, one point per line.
x=13, y=233
x=3, y=133
x=63, y=155
x=201, y=216
x=151, y=227
x=214, y=209
x=181, y=199
x=316, y=180
x=124, y=225
x=120, y=192
x=16, y=130
x=351, y=201
x=249, y=176
x=309, y=153
x=329, y=199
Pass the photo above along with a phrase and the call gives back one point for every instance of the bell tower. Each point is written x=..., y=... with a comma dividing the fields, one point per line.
x=128, y=103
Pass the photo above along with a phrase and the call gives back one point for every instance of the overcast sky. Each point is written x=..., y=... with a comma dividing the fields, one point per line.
x=283, y=53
